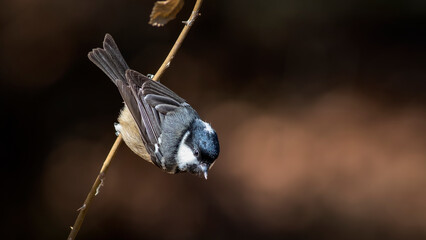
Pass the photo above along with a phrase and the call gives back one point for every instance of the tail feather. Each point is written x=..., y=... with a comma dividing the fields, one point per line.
x=110, y=60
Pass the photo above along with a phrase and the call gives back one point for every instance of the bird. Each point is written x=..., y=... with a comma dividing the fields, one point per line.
x=156, y=124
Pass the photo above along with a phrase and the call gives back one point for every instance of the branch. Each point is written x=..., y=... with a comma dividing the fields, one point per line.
x=99, y=180
x=178, y=43
x=95, y=188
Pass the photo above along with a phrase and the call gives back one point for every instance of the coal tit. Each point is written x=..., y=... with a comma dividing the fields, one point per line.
x=155, y=122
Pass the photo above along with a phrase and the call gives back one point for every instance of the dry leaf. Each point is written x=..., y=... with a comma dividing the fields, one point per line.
x=164, y=11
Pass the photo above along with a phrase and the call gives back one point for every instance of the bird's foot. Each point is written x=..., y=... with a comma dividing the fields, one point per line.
x=117, y=127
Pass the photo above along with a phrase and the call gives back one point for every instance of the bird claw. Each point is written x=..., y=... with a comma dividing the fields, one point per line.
x=117, y=127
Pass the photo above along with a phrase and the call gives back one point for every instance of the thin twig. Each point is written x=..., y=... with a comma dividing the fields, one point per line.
x=83, y=210
x=178, y=43
x=99, y=180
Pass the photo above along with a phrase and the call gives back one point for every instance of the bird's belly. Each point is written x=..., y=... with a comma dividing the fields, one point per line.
x=131, y=135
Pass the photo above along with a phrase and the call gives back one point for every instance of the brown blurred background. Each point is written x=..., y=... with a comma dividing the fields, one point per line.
x=320, y=108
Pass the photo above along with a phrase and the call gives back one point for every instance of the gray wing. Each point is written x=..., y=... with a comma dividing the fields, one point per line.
x=154, y=101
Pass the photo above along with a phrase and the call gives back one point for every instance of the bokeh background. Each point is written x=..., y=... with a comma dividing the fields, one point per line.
x=320, y=108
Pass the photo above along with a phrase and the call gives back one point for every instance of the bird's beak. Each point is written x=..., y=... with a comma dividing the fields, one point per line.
x=204, y=169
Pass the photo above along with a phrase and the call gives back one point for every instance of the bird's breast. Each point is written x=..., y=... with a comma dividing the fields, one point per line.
x=131, y=135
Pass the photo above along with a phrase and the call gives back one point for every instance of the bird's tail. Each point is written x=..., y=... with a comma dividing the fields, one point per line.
x=110, y=60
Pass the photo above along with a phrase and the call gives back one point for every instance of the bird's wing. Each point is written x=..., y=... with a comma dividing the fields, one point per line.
x=154, y=101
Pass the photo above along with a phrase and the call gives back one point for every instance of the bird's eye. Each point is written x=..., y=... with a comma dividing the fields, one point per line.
x=196, y=153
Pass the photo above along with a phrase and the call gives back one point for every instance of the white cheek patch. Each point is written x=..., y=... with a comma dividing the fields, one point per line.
x=185, y=156
x=208, y=128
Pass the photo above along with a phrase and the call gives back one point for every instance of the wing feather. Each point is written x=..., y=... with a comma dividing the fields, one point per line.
x=156, y=88
x=153, y=99
x=165, y=108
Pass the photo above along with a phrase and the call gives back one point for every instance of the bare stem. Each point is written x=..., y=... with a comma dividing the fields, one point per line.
x=178, y=43
x=94, y=190
x=99, y=180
